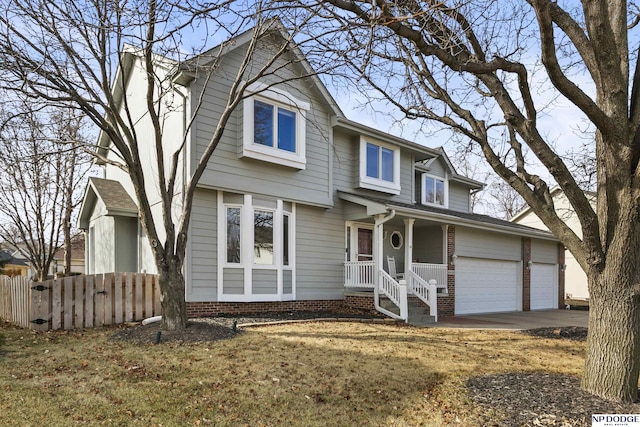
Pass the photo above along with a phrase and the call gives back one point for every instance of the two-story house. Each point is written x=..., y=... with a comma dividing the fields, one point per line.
x=301, y=208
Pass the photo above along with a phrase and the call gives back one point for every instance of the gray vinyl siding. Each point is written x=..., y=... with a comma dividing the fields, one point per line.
x=458, y=197
x=438, y=168
x=233, y=281
x=428, y=244
x=287, y=281
x=320, y=246
x=264, y=282
x=203, y=284
x=388, y=250
x=346, y=169
x=226, y=170
x=126, y=247
x=485, y=244
x=544, y=251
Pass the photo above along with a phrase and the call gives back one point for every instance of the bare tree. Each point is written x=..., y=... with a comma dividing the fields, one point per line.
x=75, y=52
x=473, y=67
x=41, y=169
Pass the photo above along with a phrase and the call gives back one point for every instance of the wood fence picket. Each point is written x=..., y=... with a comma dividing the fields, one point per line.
x=78, y=302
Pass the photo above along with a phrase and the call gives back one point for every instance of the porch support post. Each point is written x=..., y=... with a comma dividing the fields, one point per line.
x=408, y=244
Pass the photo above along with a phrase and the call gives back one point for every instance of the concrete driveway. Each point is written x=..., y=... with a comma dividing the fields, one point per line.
x=517, y=320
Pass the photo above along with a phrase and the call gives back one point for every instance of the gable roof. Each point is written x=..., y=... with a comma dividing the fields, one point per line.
x=184, y=73
x=555, y=192
x=377, y=205
x=115, y=198
x=8, y=258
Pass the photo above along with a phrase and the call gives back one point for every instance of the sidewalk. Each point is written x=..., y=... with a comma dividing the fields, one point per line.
x=517, y=320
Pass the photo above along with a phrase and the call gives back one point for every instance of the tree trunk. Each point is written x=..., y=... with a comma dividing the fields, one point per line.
x=174, y=307
x=612, y=362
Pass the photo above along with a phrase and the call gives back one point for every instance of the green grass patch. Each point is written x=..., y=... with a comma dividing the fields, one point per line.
x=312, y=374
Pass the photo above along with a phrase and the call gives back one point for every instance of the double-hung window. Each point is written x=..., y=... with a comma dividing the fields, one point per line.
x=434, y=191
x=379, y=166
x=274, y=127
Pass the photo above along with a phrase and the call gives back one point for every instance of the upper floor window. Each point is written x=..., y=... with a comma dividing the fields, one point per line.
x=379, y=166
x=274, y=127
x=434, y=191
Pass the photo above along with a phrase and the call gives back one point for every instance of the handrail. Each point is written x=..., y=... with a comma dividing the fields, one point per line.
x=427, y=272
x=427, y=292
x=396, y=293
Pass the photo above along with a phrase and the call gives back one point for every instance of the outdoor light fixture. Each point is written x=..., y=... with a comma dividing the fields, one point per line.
x=529, y=264
x=454, y=257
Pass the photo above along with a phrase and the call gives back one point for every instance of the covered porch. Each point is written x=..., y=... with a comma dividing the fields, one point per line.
x=394, y=256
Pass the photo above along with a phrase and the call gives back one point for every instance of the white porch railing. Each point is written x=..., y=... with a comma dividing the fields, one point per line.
x=427, y=272
x=359, y=274
x=427, y=292
x=396, y=293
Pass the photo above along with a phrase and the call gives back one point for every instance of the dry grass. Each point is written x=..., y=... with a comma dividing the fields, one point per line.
x=337, y=374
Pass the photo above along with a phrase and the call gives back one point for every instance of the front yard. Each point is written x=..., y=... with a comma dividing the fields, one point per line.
x=338, y=374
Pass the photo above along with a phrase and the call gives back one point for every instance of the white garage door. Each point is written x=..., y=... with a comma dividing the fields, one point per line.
x=486, y=286
x=544, y=285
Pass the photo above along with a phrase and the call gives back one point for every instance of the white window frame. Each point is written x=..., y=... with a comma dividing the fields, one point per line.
x=423, y=186
x=277, y=98
x=378, y=184
x=247, y=261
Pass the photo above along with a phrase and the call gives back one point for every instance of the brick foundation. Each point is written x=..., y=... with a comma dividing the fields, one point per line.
x=526, y=274
x=212, y=309
x=447, y=304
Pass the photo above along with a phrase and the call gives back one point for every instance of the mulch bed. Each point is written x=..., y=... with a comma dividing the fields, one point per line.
x=539, y=399
x=542, y=399
x=217, y=328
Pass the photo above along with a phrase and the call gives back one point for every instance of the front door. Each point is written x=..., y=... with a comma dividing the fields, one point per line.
x=365, y=244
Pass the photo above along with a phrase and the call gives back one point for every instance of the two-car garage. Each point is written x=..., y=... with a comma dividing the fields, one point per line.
x=488, y=273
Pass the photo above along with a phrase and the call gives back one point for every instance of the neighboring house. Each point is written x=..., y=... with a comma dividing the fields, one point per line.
x=77, y=256
x=307, y=223
x=13, y=266
x=575, y=278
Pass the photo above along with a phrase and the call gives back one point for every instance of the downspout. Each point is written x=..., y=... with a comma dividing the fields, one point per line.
x=377, y=265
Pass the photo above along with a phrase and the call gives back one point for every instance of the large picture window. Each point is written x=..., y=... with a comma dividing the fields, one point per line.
x=274, y=127
x=233, y=235
x=379, y=167
x=263, y=238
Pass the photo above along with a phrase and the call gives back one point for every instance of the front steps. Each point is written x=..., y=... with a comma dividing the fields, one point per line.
x=418, y=311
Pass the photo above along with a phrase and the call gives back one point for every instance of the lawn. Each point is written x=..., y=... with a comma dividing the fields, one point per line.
x=309, y=374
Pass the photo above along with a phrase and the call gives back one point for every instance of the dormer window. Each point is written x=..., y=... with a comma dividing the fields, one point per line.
x=435, y=191
x=379, y=166
x=274, y=127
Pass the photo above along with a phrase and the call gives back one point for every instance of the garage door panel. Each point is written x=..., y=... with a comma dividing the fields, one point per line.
x=486, y=286
x=544, y=285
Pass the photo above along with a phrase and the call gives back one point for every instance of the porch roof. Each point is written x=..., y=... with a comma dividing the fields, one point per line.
x=117, y=201
x=377, y=205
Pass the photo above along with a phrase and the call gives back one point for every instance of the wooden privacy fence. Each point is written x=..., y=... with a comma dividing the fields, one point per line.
x=78, y=302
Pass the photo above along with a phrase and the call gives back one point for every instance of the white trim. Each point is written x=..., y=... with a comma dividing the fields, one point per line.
x=423, y=186
x=246, y=242
x=247, y=259
x=378, y=184
x=222, y=235
x=396, y=232
x=256, y=298
x=277, y=98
